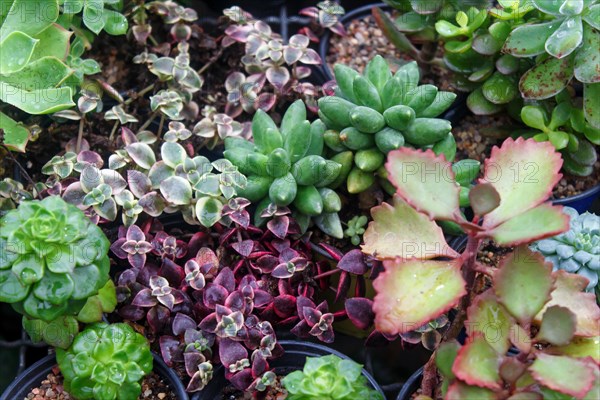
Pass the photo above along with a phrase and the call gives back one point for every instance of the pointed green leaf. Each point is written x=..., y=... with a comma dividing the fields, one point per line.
x=411, y=293
x=208, y=211
x=390, y=30
x=330, y=224
x=477, y=364
x=378, y=72
x=344, y=77
x=294, y=116
x=266, y=136
x=564, y=374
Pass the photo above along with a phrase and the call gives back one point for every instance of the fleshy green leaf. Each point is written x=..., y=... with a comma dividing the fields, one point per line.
x=477, y=364
x=489, y=318
x=16, y=135
x=445, y=356
x=579, y=347
x=530, y=39
x=591, y=107
x=400, y=231
x=22, y=17
x=547, y=78
x=566, y=38
x=425, y=181
x=523, y=284
x=523, y=172
x=558, y=326
x=411, y=293
x=564, y=374
x=460, y=391
x=390, y=30
x=53, y=42
x=176, y=190
x=20, y=47
x=208, y=211
x=40, y=101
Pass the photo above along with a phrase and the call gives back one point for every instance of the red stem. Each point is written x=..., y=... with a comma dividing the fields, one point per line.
x=327, y=273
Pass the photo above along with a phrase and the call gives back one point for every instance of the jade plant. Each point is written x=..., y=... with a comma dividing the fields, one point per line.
x=284, y=167
x=54, y=268
x=377, y=112
x=543, y=314
x=578, y=249
x=329, y=378
x=105, y=362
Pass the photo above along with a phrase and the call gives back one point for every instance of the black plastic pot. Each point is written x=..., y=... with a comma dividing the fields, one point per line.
x=293, y=359
x=35, y=374
x=411, y=386
x=581, y=202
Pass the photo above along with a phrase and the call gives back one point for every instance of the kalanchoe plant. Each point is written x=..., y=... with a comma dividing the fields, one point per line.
x=541, y=313
x=329, y=377
x=577, y=250
x=54, y=268
x=285, y=167
x=105, y=362
x=376, y=112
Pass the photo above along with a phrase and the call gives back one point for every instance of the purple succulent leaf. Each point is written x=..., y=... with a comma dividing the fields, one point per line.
x=135, y=234
x=241, y=380
x=303, y=302
x=267, y=263
x=182, y=323
x=360, y=312
x=301, y=73
x=74, y=194
x=226, y=279
x=266, y=101
x=292, y=54
x=90, y=157
x=230, y=352
x=152, y=203
x=158, y=282
x=209, y=323
x=172, y=272
x=284, y=305
x=170, y=350
x=279, y=226
x=139, y=183
x=244, y=247
x=311, y=315
x=168, y=300
x=343, y=286
x=353, y=262
x=127, y=277
x=301, y=329
x=338, y=29
x=144, y=298
x=312, y=12
x=137, y=260
x=192, y=360
x=311, y=57
x=193, y=275
x=157, y=317
x=235, y=301
x=262, y=298
x=117, y=250
x=132, y=313
x=214, y=295
x=332, y=251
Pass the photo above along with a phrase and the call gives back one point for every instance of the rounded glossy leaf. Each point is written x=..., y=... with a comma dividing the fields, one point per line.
x=208, y=211
x=55, y=288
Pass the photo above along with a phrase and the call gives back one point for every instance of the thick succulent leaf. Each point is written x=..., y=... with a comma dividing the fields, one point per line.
x=530, y=39
x=20, y=47
x=22, y=17
x=566, y=38
x=390, y=30
x=461, y=391
x=523, y=283
x=587, y=62
x=489, y=318
x=537, y=223
x=176, y=190
x=477, y=364
x=523, y=172
x=547, y=78
x=445, y=356
x=426, y=182
x=360, y=312
x=569, y=293
x=411, y=293
x=208, y=211
x=16, y=135
x=53, y=42
x=47, y=72
x=591, y=107
x=564, y=374
x=401, y=231
x=484, y=199
x=558, y=326
x=142, y=154
x=579, y=347
x=41, y=101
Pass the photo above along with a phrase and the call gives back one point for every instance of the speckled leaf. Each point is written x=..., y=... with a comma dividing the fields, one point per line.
x=477, y=364
x=523, y=172
x=400, y=231
x=591, y=107
x=411, y=293
x=547, y=78
x=523, y=283
x=489, y=318
x=564, y=374
x=566, y=38
x=529, y=40
x=435, y=194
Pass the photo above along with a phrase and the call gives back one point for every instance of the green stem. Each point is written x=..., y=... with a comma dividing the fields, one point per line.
x=160, y=126
x=80, y=135
x=149, y=120
x=113, y=131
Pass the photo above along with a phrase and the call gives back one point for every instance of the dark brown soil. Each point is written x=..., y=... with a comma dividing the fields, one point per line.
x=275, y=392
x=153, y=388
x=476, y=135
x=364, y=41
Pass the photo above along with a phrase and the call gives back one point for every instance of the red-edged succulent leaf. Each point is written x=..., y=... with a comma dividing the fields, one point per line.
x=284, y=305
x=343, y=286
x=558, y=326
x=579, y=347
x=477, y=364
x=537, y=223
x=484, y=199
x=523, y=172
x=569, y=293
x=401, y=231
x=144, y=298
x=566, y=375
x=360, y=312
x=489, y=318
x=511, y=369
x=425, y=181
x=445, y=356
x=461, y=391
x=411, y=293
x=279, y=226
x=523, y=283
x=353, y=262
x=332, y=251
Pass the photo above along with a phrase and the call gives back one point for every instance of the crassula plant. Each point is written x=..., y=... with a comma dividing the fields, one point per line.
x=543, y=314
x=105, y=362
x=54, y=268
x=329, y=378
x=577, y=250
x=376, y=112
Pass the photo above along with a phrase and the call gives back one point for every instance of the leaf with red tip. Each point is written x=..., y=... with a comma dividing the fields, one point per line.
x=343, y=286
x=360, y=312
x=489, y=318
x=523, y=283
x=569, y=293
x=537, y=223
x=425, y=181
x=477, y=364
x=579, y=347
x=400, y=231
x=332, y=251
x=523, y=172
x=460, y=391
x=411, y=293
x=567, y=375
x=558, y=326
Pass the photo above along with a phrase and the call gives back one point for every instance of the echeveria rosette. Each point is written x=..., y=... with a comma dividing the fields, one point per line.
x=578, y=249
x=105, y=362
x=329, y=377
x=284, y=166
x=53, y=259
x=377, y=112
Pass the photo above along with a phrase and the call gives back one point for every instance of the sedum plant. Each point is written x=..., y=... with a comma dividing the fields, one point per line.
x=543, y=314
x=54, y=268
x=329, y=378
x=285, y=167
x=577, y=250
x=376, y=112
x=105, y=362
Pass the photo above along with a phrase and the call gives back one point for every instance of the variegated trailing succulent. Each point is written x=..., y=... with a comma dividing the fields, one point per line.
x=543, y=314
x=326, y=15
x=266, y=59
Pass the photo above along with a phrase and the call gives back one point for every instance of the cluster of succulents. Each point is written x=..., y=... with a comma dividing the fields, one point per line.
x=578, y=249
x=326, y=15
x=329, y=377
x=377, y=112
x=54, y=263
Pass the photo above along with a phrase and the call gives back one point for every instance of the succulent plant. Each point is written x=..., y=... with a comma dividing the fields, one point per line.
x=356, y=228
x=578, y=249
x=285, y=167
x=329, y=377
x=376, y=112
x=11, y=194
x=564, y=39
x=54, y=262
x=326, y=15
x=215, y=127
x=105, y=362
x=543, y=314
